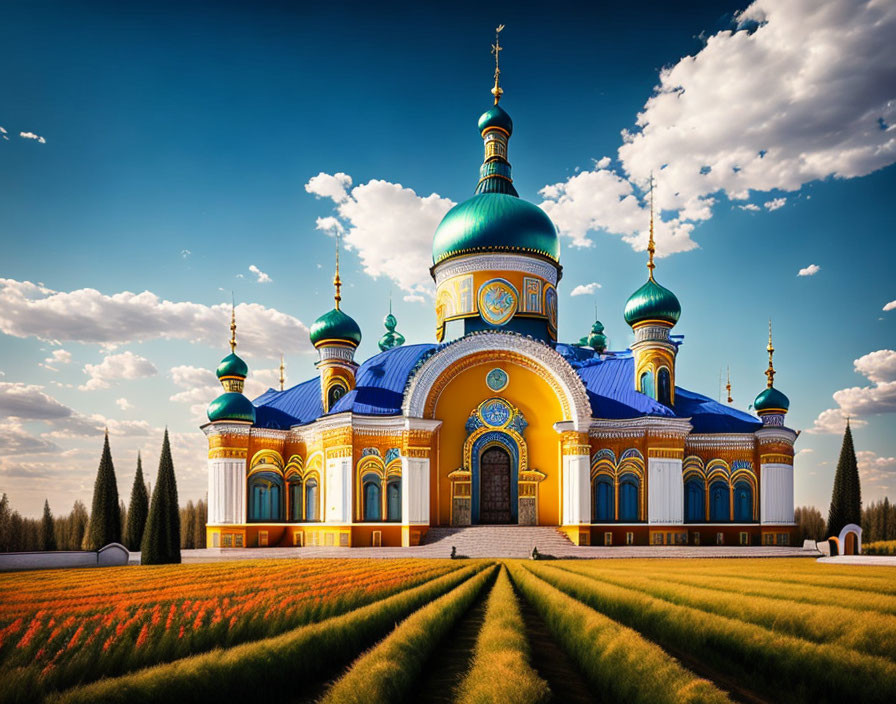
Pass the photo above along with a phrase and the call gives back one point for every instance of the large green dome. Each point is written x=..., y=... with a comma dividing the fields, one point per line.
x=771, y=400
x=232, y=365
x=335, y=325
x=496, y=116
x=231, y=406
x=495, y=222
x=652, y=302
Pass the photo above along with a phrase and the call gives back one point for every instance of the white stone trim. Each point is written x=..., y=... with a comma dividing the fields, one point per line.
x=656, y=426
x=665, y=491
x=228, y=427
x=576, y=508
x=544, y=356
x=458, y=266
x=338, y=490
x=776, y=494
x=730, y=441
x=226, y=491
x=768, y=435
x=414, y=490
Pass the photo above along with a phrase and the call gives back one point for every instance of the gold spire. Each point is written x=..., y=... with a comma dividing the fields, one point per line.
x=728, y=386
x=337, y=282
x=651, y=247
x=770, y=372
x=496, y=50
x=232, y=325
x=282, y=372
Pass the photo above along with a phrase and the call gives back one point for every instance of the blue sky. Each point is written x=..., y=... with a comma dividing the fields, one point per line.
x=180, y=146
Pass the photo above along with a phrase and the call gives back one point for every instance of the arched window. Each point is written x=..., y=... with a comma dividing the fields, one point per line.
x=743, y=502
x=647, y=384
x=265, y=497
x=295, y=500
x=602, y=502
x=695, y=500
x=372, y=498
x=719, y=501
x=393, y=500
x=336, y=392
x=311, y=513
x=628, y=498
x=664, y=387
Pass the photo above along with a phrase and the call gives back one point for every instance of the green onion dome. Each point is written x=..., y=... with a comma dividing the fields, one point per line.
x=652, y=302
x=495, y=222
x=597, y=340
x=335, y=325
x=496, y=116
x=231, y=406
x=232, y=365
x=771, y=400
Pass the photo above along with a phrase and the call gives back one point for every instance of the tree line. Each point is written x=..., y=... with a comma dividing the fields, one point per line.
x=152, y=523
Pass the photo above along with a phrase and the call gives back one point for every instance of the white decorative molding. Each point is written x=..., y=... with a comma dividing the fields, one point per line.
x=665, y=491
x=331, y=352
x=414, y=490
x=715, y=441
x=458, y=266
x=576, y=508
x=776, y=493
x=269, y=433
x=652, y=333
x=767, y=435
x=226, y=491
x=541, y=354
x=655, y=426
x=228, y=427
x=338, y=490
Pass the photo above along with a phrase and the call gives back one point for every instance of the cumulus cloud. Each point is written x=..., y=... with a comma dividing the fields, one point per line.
x=388, y=225
x=198, y=386
x=810, y=270
x=413, y=298
x=29, y=402
x=262, y=277
x=117, y=367
x=750, y=206
x=585, y=289
x=874, y=468
x=829, y=113
x=890, y=306
x=16, y=440
x=775, y=203
x=879, y=398
x=31, y=135
x=86, y=315
x=123, y=404
x=185, y=253
x=57, y=357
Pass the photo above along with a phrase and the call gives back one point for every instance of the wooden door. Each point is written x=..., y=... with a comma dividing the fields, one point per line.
x=494, y=486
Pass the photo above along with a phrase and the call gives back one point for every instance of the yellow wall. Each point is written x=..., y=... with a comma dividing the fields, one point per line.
x=539, y=404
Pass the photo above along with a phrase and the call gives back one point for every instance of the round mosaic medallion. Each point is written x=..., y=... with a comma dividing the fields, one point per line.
x=496, y=379
x=497, y=301
x=495, y=412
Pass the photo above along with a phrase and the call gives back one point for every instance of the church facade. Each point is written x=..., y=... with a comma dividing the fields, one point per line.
x=496, y=421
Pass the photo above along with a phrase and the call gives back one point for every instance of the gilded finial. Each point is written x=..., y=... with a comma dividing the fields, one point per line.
x=232, y=324
x=282, y=372
x=770, y=372
x=337, y=282
x=728, y=386
x=651, y=247
x=496, y=50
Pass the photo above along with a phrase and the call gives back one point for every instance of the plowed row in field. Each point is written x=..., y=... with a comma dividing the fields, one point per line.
x=452, y=631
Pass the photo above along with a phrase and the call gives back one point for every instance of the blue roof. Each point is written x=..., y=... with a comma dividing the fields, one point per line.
x=381, y=381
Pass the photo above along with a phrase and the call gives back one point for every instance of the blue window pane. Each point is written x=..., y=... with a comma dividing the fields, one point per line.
x=647, y=384
x=311, y=500
x=628, y=500
x=393, y=500
x=743, y=502
x=719, y=502
x=371, y=501
x=602, y=508
x=695, y=500
x=664, y=387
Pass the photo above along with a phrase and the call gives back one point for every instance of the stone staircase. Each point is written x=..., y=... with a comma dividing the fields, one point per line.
x=497, y=541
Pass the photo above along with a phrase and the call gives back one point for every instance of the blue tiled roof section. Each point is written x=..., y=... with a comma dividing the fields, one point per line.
x=611, y=391
x=381, y=380
x=296, y=406
x=709, y=416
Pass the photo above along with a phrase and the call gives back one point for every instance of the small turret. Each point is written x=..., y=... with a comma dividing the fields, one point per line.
x=390, y=338
x=771, y=405
x=232, y=373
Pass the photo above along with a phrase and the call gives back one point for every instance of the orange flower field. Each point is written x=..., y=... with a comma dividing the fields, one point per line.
x=60, y=628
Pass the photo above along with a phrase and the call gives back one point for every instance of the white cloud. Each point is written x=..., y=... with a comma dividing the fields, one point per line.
x=185, y=253
x=585, y=289
x=31, y=135
x=873, y=468
x=775, y=203
x=29, y=402
x=117, y=367
x=262, y=277
x=86, y=315
x=16, y=440
x=199, y=387
x=330, y=186
x=123, y=403
x=880, y=397
x=750, y=206
x=890, y=306
x=829, y=113
x=57, y=357
x=2, y=130
x=810, y=270
x=413, y=298
x=389, y=226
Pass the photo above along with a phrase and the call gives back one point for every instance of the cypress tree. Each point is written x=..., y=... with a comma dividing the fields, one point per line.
x=105, y=516
x=137, y=511
x=161, y=539
x=846, y=498
x=6, y=539
x=79, y=521
x=47, y=529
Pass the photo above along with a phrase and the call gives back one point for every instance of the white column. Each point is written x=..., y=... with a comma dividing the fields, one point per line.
x=226, y=491
x=415, y=490
x=776, y=493
x=338, y=490
x=665, y=491
x=576, y=494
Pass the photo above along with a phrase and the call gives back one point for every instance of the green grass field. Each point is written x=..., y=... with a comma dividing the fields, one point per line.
x=513, y=631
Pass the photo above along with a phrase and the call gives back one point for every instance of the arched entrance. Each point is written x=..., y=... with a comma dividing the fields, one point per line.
x=494, y=486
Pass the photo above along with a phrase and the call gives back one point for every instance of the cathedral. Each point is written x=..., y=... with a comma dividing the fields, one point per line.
x=497, y=421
